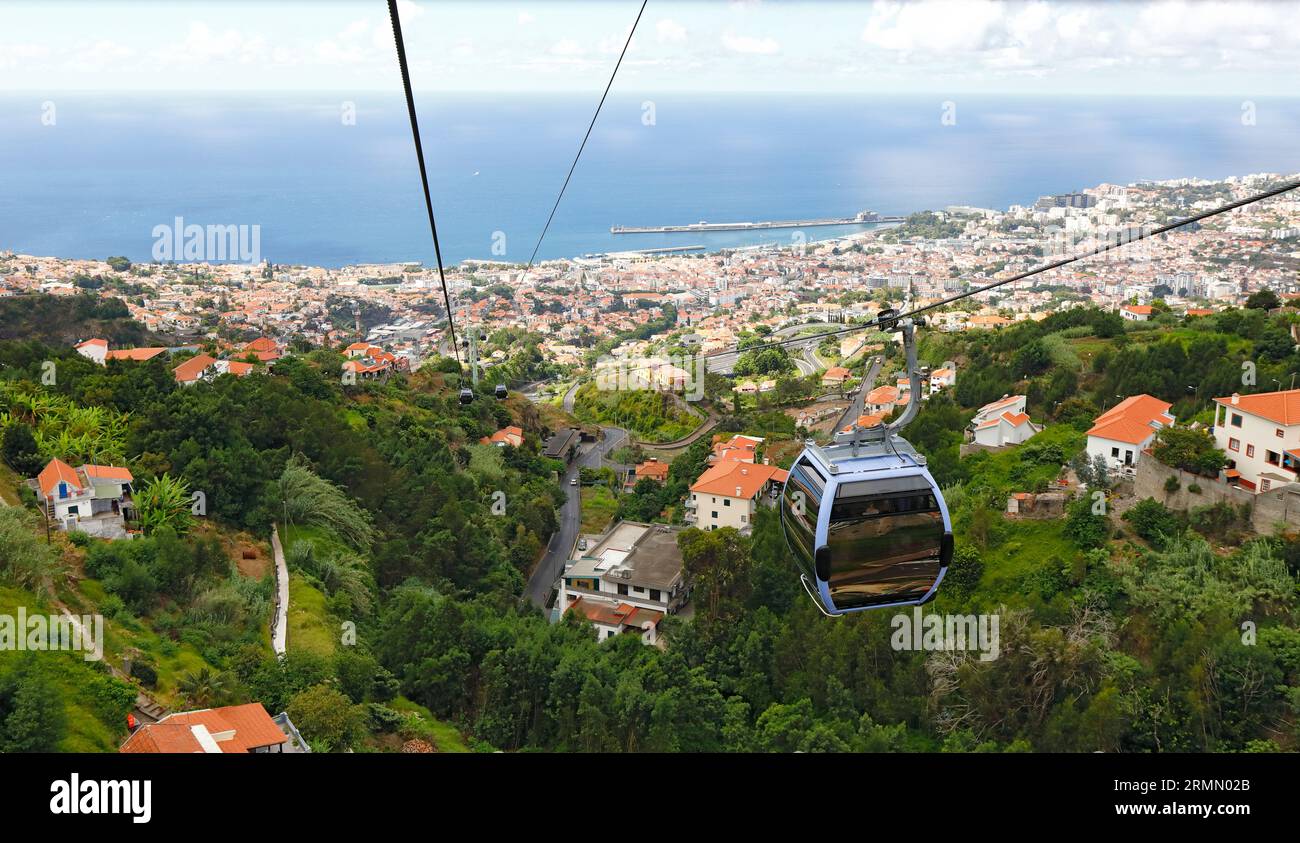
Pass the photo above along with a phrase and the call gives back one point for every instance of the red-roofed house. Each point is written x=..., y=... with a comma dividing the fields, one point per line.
x=1260, y=434
x=137, y=354
x=92, y=498
x=652, y=469
x=264, y=348
x=942, y=379
x=232, y=728
x=881, y=400
x=1002, y=422
x=512, y=436
x=1136, y=312
x=835, y=376
x=739, y=448
x=728, y=493
x=1120, y=434
x=195, y=369
x=93, y=349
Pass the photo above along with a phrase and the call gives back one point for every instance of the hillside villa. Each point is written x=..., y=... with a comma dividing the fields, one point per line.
x=628, y=581
x=728, y=494
x=93, y=498
x=229, y=729
x=1120, y=434
x=511, y=435
x=1002, y=422
x=651, y=469
x=1260, y=434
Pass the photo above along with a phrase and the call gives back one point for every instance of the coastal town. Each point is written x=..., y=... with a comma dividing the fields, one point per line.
x=572, y=306
x=661, y=400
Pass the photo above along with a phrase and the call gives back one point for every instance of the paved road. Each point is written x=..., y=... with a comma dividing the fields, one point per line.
x=569, y=396
x=855, y=409
x=800, y=352
x=563, y=540
x=280, y=627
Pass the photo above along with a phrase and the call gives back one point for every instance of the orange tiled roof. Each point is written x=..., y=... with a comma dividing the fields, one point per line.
x=1280, y=407
x=883, y=395
x=1130, y=420
x=725, y=477
x=653, y=468
x=192, y=369
x=55, y=472
x=609, y=614
x=108, y=472
x=234, y=728
x=135, y=353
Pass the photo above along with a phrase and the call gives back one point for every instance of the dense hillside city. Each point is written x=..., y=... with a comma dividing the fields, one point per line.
x=295, y=516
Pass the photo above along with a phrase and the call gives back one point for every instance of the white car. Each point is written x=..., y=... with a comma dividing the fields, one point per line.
x=573, y=481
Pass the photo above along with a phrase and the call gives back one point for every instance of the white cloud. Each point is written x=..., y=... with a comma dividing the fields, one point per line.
x=670, y=31
x=750, y=44
x=525, y=18
x=1037, y=37
x=567, y=47
x=407, y=9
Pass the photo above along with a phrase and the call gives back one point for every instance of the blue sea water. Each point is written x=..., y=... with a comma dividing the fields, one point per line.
x=112, y=167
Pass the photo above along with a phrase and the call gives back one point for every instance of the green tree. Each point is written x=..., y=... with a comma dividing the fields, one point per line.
x=1189, y=450
x=21, y=451
x=1264, y=299
x=32, y=711
x=327, y=718
x=26, y=560
x=305, y=498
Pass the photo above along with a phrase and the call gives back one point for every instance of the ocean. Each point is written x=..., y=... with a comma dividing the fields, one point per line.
x=328, y=191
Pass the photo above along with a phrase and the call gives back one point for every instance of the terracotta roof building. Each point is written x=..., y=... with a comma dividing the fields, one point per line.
x=232, y=728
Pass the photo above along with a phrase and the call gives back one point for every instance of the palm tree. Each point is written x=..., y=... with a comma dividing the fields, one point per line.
x=204, y=688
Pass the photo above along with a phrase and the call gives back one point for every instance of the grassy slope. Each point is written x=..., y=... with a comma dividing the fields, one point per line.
x=9, y=480
x=76, y=678
x=310, y=627
x=444, y=736
x=598, y=508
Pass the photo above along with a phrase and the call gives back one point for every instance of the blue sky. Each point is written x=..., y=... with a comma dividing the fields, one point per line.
x=1247, y=49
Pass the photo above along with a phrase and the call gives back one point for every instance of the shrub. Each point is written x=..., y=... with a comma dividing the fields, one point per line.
x=1172, y=485
x=1194, y=488
x=1152, y=521
x=145, y=673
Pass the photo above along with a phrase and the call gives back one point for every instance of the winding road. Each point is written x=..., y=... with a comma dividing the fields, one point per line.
x=854, y=410
x=560, y=548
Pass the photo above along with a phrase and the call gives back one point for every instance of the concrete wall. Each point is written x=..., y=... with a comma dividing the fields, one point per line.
x=1280, y=505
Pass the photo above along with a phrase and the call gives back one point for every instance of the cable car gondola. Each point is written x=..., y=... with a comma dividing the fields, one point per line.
x=501, y=392
x=864, y=518
x=467, y=396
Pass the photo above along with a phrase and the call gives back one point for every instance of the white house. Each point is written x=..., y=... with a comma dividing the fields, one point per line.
x=93, y=498
x=93, y=349
x=942, y=379
x=883, y=399
x=628, y=581
x=1260, y=434
x=728, y=494
x=1136, y=312
x=1121, y=433
x=1003, y=422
